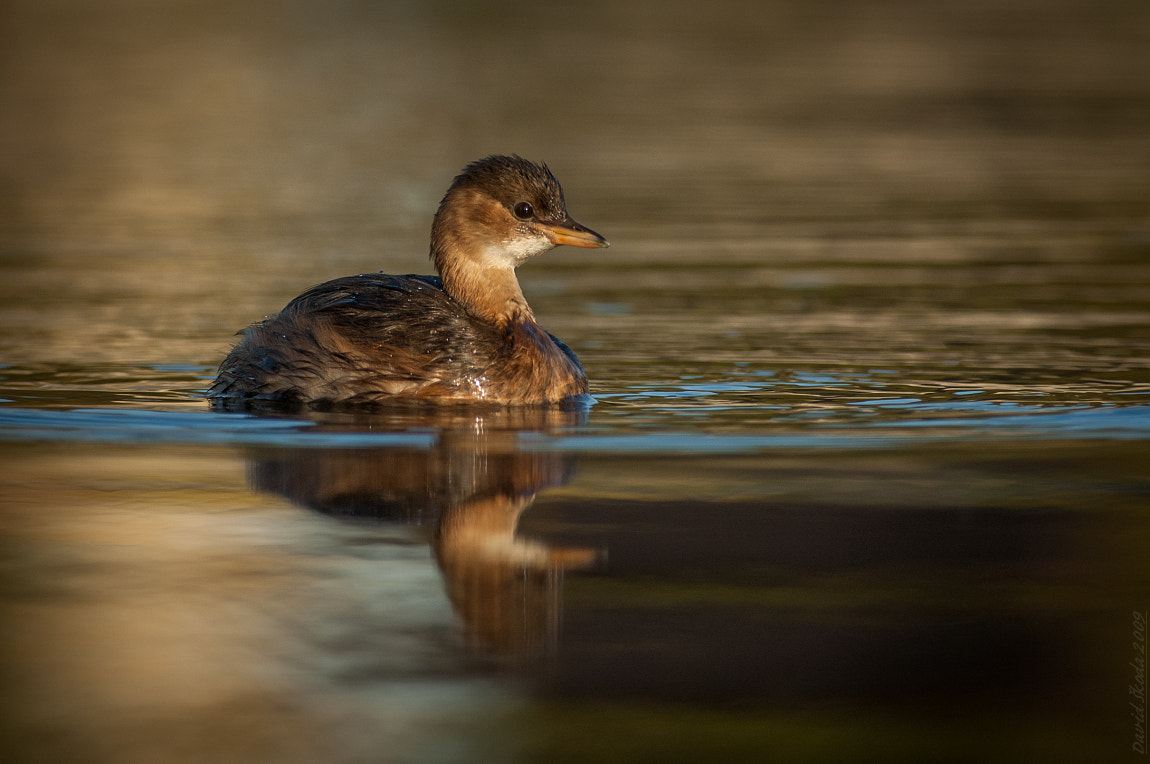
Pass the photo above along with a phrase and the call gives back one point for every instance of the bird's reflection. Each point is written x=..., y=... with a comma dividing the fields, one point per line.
x=469, y=487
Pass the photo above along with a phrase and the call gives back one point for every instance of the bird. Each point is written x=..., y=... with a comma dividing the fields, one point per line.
x=466, y=336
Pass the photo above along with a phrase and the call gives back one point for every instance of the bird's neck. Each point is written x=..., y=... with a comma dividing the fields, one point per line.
x=486, y=289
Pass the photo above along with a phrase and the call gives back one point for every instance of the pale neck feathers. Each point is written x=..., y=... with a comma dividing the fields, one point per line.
x=477, y=267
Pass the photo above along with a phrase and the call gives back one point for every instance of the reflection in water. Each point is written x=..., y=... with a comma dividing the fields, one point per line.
x=471, y=487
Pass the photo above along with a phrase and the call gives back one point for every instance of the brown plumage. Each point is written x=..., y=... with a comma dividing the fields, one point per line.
x=468, y=335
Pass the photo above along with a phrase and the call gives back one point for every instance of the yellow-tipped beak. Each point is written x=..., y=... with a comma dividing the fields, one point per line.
x=572, y=234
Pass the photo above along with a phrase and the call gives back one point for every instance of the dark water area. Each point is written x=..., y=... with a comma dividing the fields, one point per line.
x=865, y=478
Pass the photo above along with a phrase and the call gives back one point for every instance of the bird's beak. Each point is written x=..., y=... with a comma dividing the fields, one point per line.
x=572, y=234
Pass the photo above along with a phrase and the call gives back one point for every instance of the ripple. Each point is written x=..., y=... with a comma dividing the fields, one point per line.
x=207, y=428
x=213, y=429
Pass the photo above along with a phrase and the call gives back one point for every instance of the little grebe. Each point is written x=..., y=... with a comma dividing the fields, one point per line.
x=468, y=335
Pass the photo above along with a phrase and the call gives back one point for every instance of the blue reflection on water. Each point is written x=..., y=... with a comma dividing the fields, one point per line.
x=987, y=421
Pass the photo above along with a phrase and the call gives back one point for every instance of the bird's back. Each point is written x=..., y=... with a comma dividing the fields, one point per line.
x=356, y=339
x=375, y=338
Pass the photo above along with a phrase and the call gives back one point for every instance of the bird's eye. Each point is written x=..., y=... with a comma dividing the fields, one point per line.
x=524, y=211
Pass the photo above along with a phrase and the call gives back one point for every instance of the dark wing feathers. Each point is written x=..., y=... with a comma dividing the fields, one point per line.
x=379, y=334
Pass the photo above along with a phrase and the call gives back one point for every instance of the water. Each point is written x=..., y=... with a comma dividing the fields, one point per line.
x=866, y=474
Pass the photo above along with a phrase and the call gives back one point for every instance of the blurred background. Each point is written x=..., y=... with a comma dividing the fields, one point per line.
x=204, y=154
